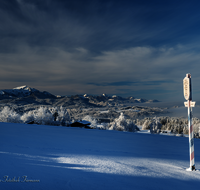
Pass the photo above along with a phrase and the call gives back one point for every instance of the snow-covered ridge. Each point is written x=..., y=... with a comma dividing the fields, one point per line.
x=25, y=88
x=21, y=91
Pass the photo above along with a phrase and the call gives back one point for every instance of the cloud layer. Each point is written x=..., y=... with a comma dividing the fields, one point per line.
x=114, y=47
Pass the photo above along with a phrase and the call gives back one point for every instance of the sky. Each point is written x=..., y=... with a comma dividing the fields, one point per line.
x=139, y=48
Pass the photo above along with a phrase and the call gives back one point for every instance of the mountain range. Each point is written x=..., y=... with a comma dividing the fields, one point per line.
x=26, y=95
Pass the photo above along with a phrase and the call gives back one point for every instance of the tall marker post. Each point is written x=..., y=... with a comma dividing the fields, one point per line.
x=187, y=89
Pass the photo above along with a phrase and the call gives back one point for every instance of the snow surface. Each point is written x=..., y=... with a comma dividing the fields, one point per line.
x=56, y=157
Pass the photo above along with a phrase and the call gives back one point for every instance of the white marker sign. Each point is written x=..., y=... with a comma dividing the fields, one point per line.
x=186, y=88
x=192, y=104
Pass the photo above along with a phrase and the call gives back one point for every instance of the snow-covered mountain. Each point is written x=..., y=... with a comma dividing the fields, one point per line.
x=25, y=95
x=24, y=91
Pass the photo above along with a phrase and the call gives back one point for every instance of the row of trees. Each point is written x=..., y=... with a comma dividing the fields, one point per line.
x=119, y=124
x=175, y=125
x=41, y=116
x=60, y=116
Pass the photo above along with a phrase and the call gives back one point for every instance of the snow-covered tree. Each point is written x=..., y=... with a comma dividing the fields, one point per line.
x=146, y=125
x=43, y=116
x=196, y=129
x=63, y=116
x=47, y=116
x=91, y=120
x=9, y=115
x=131, y=127
x=28, y=117
x=120, y=124
x=155, y=126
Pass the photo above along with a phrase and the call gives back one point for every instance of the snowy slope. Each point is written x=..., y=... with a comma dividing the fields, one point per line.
x=75, y=158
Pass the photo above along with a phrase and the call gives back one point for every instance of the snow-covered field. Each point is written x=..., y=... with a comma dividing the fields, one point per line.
x=55, y=157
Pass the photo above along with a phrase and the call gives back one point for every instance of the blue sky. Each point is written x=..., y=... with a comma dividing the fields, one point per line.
x=129, y=48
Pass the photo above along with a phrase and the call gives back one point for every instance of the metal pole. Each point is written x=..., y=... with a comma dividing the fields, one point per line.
x=187, y=88
x=191, y=137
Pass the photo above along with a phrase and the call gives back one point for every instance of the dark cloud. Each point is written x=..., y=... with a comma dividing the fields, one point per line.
x=95, y=25
x=114, y=47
